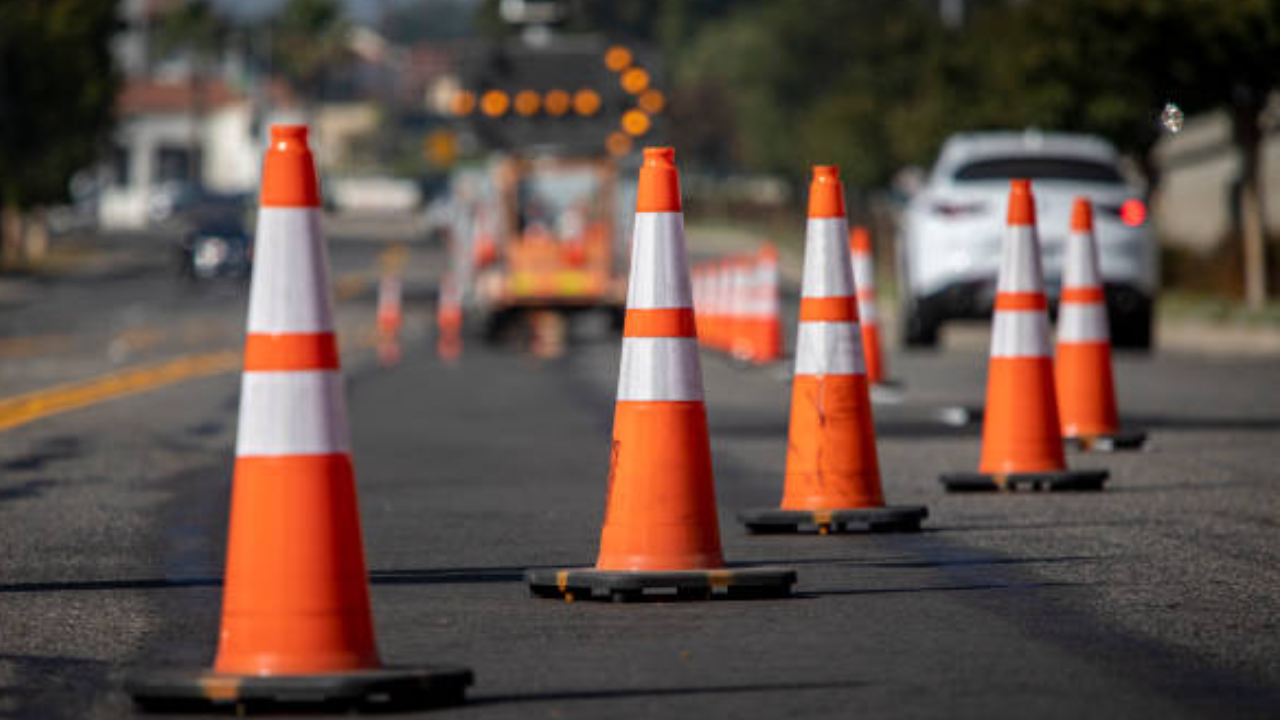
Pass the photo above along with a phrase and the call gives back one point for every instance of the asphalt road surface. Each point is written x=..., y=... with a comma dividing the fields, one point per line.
x=1159, y=597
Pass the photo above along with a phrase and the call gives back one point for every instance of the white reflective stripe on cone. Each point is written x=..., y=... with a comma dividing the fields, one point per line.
x=290, y=289
x=863, y=277
x=867, y=311
x=826, y=259
x=660, y=368
x=1020, y=261
x=1020, y=333
x=1081, y=267
x=659, y=268
x=829, y=348
x=292, y=413
x=1082, y=322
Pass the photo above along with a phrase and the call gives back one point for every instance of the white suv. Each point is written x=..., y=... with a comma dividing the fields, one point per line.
x=951, y=230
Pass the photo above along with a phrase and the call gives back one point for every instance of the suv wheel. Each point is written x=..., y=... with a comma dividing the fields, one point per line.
x=920, y=326
x=1131, y=325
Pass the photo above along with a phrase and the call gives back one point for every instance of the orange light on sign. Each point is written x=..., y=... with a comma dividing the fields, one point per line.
x=618, y=144
x=586, y=102
x=557, y=102
x=635, y=123
x=494, y=103
x=635, y=80
x=464, y=101
x=652, y=101
x=617, y=58
x=528, y=102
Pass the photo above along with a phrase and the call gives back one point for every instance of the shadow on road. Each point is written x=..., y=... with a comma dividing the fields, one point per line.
x=837, y=592
x=62, y=447
x=572, y=695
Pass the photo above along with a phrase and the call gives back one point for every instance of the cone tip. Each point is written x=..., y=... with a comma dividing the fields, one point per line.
x=659, y=187
x=860, y=239
x=662, y=157
x=1022, y=209
x=1081, y=215
x=285, y=133
x=288, y=174
x=826, y=195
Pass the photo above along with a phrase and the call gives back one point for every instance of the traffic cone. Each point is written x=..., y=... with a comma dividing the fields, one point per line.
x=1086, y=390
x=766, y=307
x=389, y=320
x=864, y=278
x=296, y=622
x=833, y=473
x=1021, y=437
x=449, y=319
x=660, y=529
x=741, y=347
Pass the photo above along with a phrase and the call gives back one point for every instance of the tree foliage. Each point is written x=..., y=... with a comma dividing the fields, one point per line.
x=308, y=43
x=57, y=90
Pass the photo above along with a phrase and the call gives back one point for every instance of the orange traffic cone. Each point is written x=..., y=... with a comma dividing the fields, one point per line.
x=660, y=530
x=389, y=320
x=833, y=473
x=1021, y=437
x=741, y=345
x=296, y=622
x=1086, y=391
x=765, y=308
x=449, y=320
x=864, y=275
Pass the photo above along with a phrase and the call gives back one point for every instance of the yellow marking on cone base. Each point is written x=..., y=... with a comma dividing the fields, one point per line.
x=220, y=688
x=22, y=409
x=720, y=578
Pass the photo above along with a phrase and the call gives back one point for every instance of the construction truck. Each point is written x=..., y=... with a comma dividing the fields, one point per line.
x=542, y=217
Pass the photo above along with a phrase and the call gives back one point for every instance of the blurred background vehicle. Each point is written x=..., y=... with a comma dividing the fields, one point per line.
x=213, y=242
x=951, y=231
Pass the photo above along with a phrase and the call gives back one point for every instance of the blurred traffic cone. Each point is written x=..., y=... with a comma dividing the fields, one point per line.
x=389, y=320
x=765, y=308
x=718, y=306
x=833, y=473
x=741, y=347
x=660, y=530
x=449, y=319
x=1086, y=390
x=1021, y=437
x=864, y=275
x=296, y=622
x=698, y=279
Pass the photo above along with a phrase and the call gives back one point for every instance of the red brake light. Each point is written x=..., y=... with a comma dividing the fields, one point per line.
x=1133, y=212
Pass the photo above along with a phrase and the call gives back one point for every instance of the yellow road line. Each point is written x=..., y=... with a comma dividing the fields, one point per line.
x=29, y=407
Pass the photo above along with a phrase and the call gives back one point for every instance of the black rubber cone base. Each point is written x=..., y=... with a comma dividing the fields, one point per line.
x=381, y=689
x=632, y=586
x=1065, y=480
x=1123, y=440
x=894, y=518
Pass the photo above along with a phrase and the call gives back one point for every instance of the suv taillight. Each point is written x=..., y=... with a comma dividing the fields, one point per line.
x=1132, y=212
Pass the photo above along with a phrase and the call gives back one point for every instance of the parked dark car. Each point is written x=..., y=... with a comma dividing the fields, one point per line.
x=214, y=244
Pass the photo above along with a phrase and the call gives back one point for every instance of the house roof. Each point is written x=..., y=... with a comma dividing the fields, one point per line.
x=143, y=96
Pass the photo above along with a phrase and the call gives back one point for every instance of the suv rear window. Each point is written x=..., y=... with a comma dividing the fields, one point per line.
x=1039, y=168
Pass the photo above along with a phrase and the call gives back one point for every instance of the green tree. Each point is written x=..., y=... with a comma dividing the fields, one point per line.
x=1108, y=66
x=57, y=89
x=308, y=43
